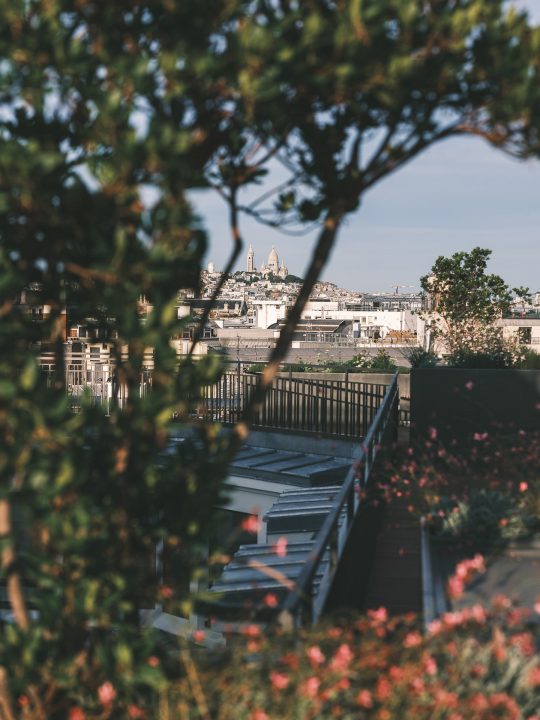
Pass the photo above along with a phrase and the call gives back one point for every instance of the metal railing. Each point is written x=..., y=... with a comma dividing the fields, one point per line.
x=303, y=604
x=331, y=407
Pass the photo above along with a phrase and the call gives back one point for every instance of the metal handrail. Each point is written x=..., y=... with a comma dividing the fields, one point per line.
x=301, y=601
x=343, y=408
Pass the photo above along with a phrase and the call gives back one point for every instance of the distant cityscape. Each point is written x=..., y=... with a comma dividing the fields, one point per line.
x=245, y=318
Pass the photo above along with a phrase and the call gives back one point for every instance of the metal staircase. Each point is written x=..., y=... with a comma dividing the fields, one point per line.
x=262, y=574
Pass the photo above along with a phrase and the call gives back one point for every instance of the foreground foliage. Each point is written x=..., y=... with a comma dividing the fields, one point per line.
x=473, y=664
x=479, y=497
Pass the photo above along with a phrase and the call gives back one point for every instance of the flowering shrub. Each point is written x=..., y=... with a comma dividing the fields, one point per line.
x=488, y=518
x=475, y=664
x=464, y=573
x=483, y=495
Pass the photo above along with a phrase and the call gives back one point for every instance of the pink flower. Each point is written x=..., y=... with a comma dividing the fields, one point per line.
x=534, y=676
x=523, y=486
x=166, y=591
x=76, y=714
x=135, y=712
x=311, y=687
x=384, y=689
x=479, y=703
x=153, y=661
x=315, y=655
x=418, y=685
x=270, y=600
x=501, y=602
x=279, y=680
x=106, y=693
x=432, y=432
x=469, y=385
x=252, y=631
x=259, y=715
x=281, y=547
x=479, y=437
x=430, y=665
x=455, y=588
x=478, y=613
x=364, y=699
x=379, y=615
x=413, y=639
x=465, y=571
x=524, y=642
x=198, y=636
x=342, y=658
x=251, y=524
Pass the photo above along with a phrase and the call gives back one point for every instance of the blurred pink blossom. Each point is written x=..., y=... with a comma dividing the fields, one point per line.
x=311, y=687
x=379, y=615
x=413, y=639
x=364, y=699
x=279, y=680
x=315, y=655
x=259, y=715
x=342, y=658
x=251, y=524
x=77, y=714
x=106, y=693
x=281, y=547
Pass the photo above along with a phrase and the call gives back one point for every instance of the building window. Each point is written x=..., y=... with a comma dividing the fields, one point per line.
x=525, y=335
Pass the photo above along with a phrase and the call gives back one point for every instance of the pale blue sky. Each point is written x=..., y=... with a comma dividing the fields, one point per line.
x=459, y=194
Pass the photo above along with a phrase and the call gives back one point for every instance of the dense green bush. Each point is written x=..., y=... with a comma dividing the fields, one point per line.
x=420, y=358
x=499, y=357
x=529, y=360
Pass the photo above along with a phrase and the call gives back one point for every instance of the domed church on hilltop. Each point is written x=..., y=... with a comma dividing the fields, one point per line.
x=271, y=268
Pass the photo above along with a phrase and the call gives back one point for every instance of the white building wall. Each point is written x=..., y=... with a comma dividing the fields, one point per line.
x=385, y=320
x=511, y=331
x=269, y=312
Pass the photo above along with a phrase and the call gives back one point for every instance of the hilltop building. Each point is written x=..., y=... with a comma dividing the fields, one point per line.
x=250, y=264
x=272, y=266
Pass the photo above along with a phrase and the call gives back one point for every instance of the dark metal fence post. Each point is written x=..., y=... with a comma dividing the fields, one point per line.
x=289, y=401
x=346, y=431
x=238, y=411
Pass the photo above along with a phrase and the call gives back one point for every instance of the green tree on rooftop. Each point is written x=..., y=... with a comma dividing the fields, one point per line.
x=466, y=302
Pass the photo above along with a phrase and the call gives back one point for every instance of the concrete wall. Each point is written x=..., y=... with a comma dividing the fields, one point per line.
x=460, y=402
